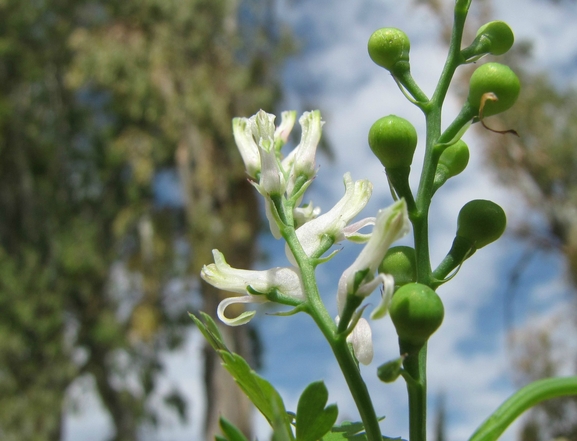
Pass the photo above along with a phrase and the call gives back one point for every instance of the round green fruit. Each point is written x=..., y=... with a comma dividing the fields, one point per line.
x=496, y=79
x=400, y=263
x=481, y=222
x=389, y=46
x=499, y=34
x=417, y=312
x=393, y=140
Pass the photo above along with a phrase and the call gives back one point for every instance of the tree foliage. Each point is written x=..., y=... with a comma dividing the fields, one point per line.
x=97, y=100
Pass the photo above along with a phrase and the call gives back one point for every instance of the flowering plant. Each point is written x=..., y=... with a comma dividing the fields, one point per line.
x=403, y=276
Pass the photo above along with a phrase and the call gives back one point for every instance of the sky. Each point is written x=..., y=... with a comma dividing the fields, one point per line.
x=469, y=360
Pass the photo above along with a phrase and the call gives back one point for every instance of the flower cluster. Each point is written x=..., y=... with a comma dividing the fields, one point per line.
x=282, y=182
x=260, y=144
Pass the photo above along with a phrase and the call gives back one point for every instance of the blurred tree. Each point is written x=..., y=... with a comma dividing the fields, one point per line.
x=97, y=101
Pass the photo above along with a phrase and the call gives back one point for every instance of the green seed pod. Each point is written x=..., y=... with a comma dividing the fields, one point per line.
x=393, y=140
x=499, y=34
x=481, y=222
x=389, y=48
x=417, y=312
x=390, y=371
x=454, y=159
x=400, y=262
x=498, y=80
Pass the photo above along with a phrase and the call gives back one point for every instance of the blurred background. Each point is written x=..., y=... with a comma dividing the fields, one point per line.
x=118, y=175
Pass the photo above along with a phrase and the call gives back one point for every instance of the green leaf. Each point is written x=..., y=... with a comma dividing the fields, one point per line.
x=259, y=391
x=231, y=432
x=313, y=419
x=209, y=330
x=262, y=394
x=348, y=431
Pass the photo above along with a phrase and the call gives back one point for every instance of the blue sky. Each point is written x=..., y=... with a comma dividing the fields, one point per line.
x=468, y=358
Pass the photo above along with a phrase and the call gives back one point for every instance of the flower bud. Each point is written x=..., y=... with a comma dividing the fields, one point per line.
x=481, y=222
x=389, y=48
x=417, y=312
x=400, y=263
x=393, y=140
x=493, y=88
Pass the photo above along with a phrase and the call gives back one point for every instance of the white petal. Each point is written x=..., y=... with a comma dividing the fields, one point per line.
x=301, y=161
x=272, y=180
x=272, y=222
x=383, y=307
x=282, y=132
x=306, y=150
x=263, y=127
x=362, y=340
x=243, y=137
x=391, y=224
x=305, y=214
x=351, y=232
x=244, y=317
x=333, y=222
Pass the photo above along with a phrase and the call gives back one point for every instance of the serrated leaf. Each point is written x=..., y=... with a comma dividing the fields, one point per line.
x=313, y=420
x=231, y=432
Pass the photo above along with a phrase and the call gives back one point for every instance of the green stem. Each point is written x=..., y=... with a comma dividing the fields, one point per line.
x=454, y=57
x=419, y=218
x=460, y=250
x=406, y=80
x=416, y=361
x=358, y=388
x=316, y=309
x=520, y=401
x=415, y=364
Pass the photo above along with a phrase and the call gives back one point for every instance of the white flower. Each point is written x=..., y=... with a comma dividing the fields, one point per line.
x=305, y=214
x=282, y=132
x=391, y=224
x=248, y=148
x=257, y=134
x=301, y=161
x=285, y=281
x=359, y=279
x=260, y=143
x=362, y=340
x=272, y=180
x=263, y=128
x=334, y=222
